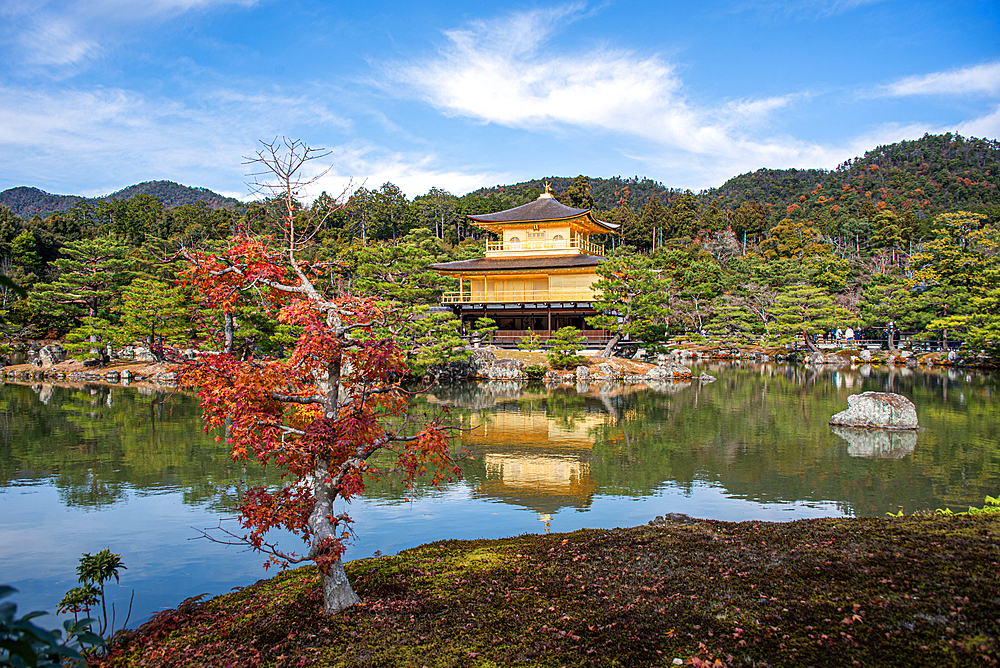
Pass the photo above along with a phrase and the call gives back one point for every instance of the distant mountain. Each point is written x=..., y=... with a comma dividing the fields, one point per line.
x=26, y=202
x=174, y=194
x=928, y=175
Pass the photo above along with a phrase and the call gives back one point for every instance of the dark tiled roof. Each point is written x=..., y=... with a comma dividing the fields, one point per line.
x=507, y=263
x=543, y=208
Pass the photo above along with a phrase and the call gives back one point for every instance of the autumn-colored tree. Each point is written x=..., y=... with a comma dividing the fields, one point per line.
x=332, y=414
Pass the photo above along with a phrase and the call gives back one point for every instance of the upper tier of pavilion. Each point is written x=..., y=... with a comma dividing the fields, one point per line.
x=542, y=227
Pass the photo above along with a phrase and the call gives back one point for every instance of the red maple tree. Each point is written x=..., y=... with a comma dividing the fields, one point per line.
x=332, y=413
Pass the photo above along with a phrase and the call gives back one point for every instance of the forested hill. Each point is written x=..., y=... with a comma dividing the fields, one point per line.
x=26, y=202
x=607, y=193
x=932, y=174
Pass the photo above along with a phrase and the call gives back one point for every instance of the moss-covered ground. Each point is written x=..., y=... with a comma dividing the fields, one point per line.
x=832, y=592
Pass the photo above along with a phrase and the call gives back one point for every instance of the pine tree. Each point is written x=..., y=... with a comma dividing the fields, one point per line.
x=153, y=311
x=632, y=297
x=807, y=310
x=91, y=276
x=578, y=195
x=682, y=218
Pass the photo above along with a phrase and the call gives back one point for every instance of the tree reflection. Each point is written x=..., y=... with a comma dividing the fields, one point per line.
x=96, y=443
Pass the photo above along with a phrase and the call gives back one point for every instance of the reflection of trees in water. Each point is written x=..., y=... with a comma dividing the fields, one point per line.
x=99, y=442
x=761, y=433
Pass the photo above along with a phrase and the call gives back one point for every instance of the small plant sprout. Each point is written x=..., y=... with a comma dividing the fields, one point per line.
x=94, y=571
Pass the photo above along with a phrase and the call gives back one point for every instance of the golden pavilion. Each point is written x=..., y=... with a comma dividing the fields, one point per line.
x=537, y=275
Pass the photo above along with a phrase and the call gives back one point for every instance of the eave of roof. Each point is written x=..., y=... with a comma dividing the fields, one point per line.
x=544, y=209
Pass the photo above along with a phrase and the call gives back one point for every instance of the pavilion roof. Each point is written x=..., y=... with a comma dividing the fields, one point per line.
x=544, y=209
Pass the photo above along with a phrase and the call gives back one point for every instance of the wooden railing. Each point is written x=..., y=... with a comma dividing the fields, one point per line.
x=518, y=296
x=511, y=337
x=528, y=247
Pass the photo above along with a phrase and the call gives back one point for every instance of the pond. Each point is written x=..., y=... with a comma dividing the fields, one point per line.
x=88, y=467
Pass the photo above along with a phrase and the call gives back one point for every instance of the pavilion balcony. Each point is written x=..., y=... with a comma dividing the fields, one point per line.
x=518, y=296
x=536, y=247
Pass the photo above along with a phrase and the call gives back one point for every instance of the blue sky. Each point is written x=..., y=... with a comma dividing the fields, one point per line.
x=96, y=95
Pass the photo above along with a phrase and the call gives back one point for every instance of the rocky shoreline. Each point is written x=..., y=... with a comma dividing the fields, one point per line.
x=492, y=363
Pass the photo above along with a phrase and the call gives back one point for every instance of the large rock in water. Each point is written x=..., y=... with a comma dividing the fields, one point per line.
x=882, y=410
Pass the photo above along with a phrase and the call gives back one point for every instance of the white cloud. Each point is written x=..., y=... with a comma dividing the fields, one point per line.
x=978, y=79
x=361, y=164
x=500, y=72
x=110, y=138
x=62, y=34
x=987, y=126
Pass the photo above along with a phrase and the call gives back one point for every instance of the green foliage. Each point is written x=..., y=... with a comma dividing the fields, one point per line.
x=991, y=507
x=484, y=328
x=24, y=644
x=433, y=340
x=92, y=274
x=530, y=342
x=93, y=572
x=578, y=194
x=807, y=310
x=956, y=280
x=397, y=271
x=535, y=372
x=564, y=346
x=153, y=311
x=631, y=297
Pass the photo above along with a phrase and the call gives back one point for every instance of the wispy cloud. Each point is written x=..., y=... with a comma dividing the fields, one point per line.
x=981, y=79
x=65, y=33
x=803, y=9
x=503, y=72
x=363, y=164
x=124, y=137
x=499, y=72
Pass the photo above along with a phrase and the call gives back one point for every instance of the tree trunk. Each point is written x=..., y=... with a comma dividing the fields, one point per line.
x=230, y=329
x=610, y=348
x=810, y=344
x=337, y=592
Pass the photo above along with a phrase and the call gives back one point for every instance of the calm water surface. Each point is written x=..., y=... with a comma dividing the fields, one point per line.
x=89, y=467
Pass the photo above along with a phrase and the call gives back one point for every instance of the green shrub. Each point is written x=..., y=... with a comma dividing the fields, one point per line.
x=535, y=371
x=565, y=345
x=530, y=342
x=485, y=327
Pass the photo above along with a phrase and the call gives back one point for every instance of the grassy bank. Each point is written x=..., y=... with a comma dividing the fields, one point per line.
x=833, y=592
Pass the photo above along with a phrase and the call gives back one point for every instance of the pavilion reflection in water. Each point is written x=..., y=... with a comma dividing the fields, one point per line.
x=530, y=453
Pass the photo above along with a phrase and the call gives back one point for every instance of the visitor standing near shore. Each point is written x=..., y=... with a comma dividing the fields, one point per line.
x=849, y=335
